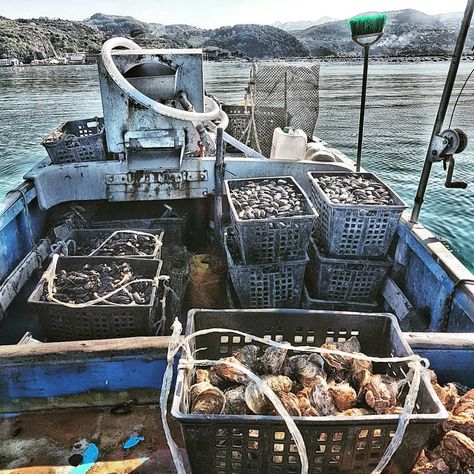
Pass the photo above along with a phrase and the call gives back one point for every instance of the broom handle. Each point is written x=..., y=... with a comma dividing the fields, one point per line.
x=362, y=107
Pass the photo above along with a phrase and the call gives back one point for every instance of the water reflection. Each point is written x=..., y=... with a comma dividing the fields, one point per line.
x=402, y=104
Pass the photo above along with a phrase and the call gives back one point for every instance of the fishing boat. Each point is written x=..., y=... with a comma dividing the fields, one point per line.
x=79, y=390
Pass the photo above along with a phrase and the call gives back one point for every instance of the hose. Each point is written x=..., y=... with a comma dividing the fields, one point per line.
x=214, y=112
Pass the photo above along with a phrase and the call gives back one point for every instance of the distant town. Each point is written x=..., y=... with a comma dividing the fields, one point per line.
x=67, y=58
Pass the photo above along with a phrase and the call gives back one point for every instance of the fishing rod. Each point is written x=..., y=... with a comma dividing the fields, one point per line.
x=444, y=144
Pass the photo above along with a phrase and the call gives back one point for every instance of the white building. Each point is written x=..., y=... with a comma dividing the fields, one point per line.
x=9, y=62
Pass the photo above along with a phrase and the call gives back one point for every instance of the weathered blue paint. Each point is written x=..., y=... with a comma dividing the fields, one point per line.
x=427, y=285
x=15, y=240
x=8, y=211
x=9, y=415
x=451, y=365
x=63, y=378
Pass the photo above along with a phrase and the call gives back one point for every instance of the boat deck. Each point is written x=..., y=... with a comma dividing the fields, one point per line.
x=43, y=442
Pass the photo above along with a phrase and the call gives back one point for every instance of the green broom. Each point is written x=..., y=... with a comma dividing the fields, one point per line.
x=366, y=30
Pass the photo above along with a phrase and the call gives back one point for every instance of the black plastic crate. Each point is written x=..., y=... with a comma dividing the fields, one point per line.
x=307, y=301
x=227, y=444
x=343, y=279
x=100, y=321
x=355, y=230
x=272, y=240
x=77, y=141
x=85, y=237
x=265, y=285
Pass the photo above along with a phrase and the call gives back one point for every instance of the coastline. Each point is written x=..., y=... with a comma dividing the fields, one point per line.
x=318, y=59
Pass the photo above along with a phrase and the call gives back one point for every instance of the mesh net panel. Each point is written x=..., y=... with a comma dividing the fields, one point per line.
x=279, y=96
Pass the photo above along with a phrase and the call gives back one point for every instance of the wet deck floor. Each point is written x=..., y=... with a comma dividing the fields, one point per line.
x=43, y=442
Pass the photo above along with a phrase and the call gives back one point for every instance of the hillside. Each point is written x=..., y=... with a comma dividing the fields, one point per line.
x=301, y=25
x=43, y=38
x=408, y=32
x=256, y=41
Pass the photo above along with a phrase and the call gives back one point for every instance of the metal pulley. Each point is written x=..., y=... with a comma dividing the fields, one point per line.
x=457, y=141
x=448, y=143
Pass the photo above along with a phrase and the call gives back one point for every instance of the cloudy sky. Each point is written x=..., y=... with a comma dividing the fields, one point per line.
x=212, y=13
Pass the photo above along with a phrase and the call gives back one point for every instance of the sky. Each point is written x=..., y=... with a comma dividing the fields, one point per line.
x=214, y=13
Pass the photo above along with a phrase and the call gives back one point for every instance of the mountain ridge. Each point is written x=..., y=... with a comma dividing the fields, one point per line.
x=408, y=32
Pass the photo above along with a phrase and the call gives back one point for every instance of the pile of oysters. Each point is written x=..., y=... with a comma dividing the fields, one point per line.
x=268, y=199
x=307, y=384
x=354, y=189
x=120, y=245
x=97, y=280
x=451, y=450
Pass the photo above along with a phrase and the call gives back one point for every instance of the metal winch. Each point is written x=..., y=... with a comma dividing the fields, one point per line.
x=448, y=143
x=155, y=110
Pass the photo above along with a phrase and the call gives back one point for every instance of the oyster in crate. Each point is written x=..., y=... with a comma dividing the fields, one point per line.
x=465, y=406
x=235, y=403
x=354, y=189
x=306, y=408
x=457, y=450
x=271, y=362
x=206, y=399
x=320, y=398
x=355, y=412
x=380, y=392
x=230, y=372
x=217, y=380
x=248, y=356
x=343, y=395
x=267, y=199
x=291, y=403
x=202, y=375
x=303, y=368
x=361, y=371
x=257, y=400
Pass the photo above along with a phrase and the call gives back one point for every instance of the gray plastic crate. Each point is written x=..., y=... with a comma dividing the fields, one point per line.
x=272, y=240
x=309, y=302
x=227, y=444
x=77, y=141
x=61, y=323
x=343, y=279
x=355, y=230
x=265, y=285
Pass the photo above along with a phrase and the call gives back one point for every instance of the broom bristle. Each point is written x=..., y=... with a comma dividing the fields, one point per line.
x=367, y=24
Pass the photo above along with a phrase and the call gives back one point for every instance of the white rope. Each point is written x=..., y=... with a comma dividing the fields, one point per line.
x=416, y=364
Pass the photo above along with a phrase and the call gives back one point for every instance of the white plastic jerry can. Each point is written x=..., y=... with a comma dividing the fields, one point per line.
x=288, y=144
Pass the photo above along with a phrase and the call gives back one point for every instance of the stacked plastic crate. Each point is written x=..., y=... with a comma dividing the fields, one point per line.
x=266, y=244
x=100, y=263
x=349, y=248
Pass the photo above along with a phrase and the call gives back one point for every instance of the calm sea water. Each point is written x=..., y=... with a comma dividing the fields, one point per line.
x=402, y=104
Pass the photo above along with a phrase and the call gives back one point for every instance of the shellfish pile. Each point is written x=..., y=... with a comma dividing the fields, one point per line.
x=306, y=384
x=452, y=449
x=97, y=280
x=354, y=189
x=120, y=245
x=268, y=199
